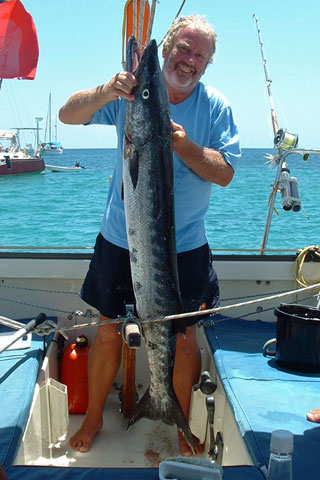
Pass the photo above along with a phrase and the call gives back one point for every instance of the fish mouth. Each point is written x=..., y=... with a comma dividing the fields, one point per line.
x=133, y=56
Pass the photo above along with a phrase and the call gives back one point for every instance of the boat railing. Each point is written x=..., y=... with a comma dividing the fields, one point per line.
x=286, y=185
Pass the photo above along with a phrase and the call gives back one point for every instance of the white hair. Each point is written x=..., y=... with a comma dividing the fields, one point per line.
x=198, y=22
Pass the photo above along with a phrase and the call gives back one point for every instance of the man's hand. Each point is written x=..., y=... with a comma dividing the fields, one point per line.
x=81, y=106
x=205, y=162
x=121, y=85
x=179, y=136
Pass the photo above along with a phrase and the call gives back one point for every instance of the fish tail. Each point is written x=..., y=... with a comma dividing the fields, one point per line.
x=170, y=413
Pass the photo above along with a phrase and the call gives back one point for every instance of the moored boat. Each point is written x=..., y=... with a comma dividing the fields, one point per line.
x=13, y=160
x=48, y=148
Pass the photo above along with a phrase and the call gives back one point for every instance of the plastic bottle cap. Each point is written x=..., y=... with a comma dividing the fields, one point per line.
x=281, y=441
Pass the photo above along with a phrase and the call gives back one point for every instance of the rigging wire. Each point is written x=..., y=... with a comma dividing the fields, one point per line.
x=177, y=15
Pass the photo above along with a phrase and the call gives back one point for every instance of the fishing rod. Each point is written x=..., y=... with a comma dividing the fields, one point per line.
x=274, y=120
x=285, y=142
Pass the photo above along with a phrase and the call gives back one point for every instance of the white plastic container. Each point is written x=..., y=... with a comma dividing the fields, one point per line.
x=174, y=470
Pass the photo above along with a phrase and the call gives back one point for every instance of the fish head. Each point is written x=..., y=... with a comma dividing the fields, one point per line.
x=150, y=93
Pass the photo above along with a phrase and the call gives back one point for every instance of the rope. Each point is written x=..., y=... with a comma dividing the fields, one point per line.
x=141, y=14
x=197, y=313
x=151, y=19
x=299, y=263
x=237, y=305
x=48, y=327
x=274, y=192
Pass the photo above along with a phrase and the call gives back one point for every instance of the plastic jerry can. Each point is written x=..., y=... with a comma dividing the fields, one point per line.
x=74, y=374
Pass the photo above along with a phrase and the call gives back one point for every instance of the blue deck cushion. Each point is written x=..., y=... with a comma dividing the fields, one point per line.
x=69, y=473
x=18, y=375
x=265, y=397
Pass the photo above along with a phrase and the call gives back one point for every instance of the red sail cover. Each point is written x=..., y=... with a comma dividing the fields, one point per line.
x=19, y=49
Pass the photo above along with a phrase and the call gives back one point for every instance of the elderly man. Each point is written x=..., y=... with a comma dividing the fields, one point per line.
x=205, y=150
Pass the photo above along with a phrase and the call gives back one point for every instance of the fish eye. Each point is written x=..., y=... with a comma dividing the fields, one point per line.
x=145, y=94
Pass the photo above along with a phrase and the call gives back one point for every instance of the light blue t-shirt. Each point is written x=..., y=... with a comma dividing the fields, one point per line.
x=208, y=121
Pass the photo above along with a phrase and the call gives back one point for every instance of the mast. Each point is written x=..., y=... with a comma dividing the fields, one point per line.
x=49, y=113
x=274, y=120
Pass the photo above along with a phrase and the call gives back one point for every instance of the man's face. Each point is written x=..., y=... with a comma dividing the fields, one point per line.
x=186, y=62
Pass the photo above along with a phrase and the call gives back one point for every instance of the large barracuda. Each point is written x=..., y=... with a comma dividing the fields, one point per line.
x=149, y=209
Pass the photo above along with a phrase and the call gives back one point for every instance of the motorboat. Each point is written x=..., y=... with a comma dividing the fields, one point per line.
x=64, y=169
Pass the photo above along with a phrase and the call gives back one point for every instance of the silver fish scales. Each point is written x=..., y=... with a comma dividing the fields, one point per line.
x=149, y=209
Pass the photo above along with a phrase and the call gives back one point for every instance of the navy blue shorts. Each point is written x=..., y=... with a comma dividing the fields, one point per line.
x=108, y=284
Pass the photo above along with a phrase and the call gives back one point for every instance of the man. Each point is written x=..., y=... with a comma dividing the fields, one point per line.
x=206, y=150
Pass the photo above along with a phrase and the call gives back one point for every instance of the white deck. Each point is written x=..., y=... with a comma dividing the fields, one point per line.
x=146, y=444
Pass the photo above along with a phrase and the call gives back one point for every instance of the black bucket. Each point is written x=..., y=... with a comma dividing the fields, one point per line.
x=298, y=338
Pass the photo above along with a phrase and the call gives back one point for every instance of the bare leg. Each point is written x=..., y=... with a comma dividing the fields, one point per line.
x=103, y=365
x=186, y=373
x=314, y=415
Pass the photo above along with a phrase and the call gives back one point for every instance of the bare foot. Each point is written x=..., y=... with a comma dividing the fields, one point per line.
x=83, y=438
x=185, y=450
x=314, y=415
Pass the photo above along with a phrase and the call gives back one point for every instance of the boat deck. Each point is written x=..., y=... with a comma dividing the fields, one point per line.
x=262, y=396
x=145, y=445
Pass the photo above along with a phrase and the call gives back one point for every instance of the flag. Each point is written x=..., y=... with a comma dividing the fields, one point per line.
x=19, y=49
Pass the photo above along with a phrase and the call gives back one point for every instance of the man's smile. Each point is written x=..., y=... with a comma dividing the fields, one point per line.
x=185, y=68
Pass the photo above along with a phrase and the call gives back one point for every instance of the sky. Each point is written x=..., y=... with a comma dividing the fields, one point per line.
x=80, y=45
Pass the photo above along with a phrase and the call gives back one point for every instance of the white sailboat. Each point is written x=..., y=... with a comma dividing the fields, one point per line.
x=50, y=147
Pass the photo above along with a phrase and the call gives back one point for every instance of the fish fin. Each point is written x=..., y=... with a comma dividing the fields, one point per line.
x=134, y=168
x=142, y=410
x=170, y=413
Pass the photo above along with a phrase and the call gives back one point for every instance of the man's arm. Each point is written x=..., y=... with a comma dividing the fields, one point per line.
x=205, y=162
x=81, y=106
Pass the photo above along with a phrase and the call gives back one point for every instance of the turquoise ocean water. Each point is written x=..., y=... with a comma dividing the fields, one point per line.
x=65, y=209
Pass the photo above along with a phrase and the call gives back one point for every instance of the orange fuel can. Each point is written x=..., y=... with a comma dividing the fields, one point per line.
x=74, y=374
